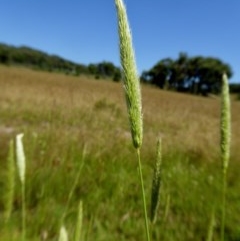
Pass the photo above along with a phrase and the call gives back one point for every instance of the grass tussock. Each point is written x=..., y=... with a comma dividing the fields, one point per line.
x=62, y=117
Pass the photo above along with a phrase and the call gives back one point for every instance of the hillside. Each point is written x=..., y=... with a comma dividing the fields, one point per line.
x=67, y=119
x=179, y=118
x=39, y=60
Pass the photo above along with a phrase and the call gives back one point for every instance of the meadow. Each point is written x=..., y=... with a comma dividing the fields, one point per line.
x=78, y=125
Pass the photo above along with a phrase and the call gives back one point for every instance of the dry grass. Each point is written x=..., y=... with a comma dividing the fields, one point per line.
x=94, y=111
x=186, y=122
x=61, y=115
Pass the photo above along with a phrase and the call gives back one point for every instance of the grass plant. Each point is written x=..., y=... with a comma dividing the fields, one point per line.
x=211, y=226
x=78, y=230
x=20, y=157
x=73, y=188
x=156, y=184
x=225, y=145
x=132, y=93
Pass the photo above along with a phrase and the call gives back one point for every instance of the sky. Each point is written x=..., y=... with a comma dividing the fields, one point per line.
x=85, y=31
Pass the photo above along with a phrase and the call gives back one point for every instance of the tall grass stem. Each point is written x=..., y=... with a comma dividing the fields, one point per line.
x=23, y=214
x=73, y=186
x=78, y=231
x=143, y=196
x=211, y=227
x=20, y=156
x=10, y=182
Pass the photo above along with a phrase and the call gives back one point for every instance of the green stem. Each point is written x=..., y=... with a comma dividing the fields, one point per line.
x=224, y=184
x=143, y=196
x=23, y=213
x=71, y=192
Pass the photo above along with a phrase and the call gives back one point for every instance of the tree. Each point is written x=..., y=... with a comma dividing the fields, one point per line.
x=198, y=75
x=160, y=74
x=4, y=54
x=117, y=75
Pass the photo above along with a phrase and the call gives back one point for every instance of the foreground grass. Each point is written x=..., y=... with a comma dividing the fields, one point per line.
x=63, y=117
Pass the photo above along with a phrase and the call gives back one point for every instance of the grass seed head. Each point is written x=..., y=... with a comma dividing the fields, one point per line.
x=156, y=183
x=130, y=76
x=63, y=236
x=225, y=123
x=20, y=157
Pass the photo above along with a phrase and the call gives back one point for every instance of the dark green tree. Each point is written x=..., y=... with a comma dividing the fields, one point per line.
x=198, y=75
x=4, y=54
x=117, y=75
x=160, y=74
x=36, y=59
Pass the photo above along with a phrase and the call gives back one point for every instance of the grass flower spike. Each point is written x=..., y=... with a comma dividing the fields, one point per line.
x=130, y=76
x=20, y=157
x=63, y=236
x=225, y=124
x=156, y=183
x=21, y=169
x=132, y=92
x=225, y=144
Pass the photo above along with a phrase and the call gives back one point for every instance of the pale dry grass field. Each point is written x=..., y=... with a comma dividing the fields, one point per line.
x=64, y=116
x=94, y=111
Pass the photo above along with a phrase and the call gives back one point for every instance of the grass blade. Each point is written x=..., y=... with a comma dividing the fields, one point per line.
x=10, y=181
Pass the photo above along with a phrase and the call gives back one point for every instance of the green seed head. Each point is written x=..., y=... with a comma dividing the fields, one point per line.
x=20, y=157
x=156, y=183
x=225, y=123
x=63, y=236
x=130, y=76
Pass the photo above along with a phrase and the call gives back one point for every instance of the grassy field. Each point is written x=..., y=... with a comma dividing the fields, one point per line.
x=77, y=124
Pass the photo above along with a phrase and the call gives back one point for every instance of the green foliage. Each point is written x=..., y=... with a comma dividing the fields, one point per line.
x=234, y=88
x=105, y=70
x=11, y=55
x=197, y=75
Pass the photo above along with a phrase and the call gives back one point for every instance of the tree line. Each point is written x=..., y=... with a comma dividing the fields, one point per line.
x=29, y=57
x=196, y=75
